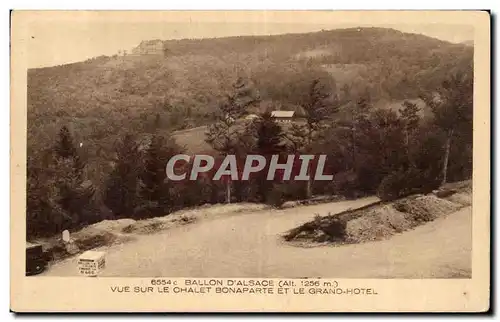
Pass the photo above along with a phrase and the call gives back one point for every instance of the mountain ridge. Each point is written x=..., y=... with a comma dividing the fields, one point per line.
x=292, y=35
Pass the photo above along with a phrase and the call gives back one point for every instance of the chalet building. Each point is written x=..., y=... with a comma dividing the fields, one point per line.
x=283, y=116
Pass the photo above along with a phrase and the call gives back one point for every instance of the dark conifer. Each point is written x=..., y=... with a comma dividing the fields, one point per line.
x=121, y=186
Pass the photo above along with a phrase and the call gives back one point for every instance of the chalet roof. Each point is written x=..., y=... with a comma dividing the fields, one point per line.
x=282, y=113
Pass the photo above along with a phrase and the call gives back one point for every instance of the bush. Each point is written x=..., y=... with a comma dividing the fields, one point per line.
x=89, y=239
x=293, y=190
x=335, y=229
x=403, y=183
x=346, y=184
x=276, y=197
x=392, y=186
x=148, y=209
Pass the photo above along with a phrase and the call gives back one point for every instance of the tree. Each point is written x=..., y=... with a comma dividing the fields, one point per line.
x=318, y=106
x=121, y=186
x=44, y=216
x=382, y=146
x=269, y=138
x=359, y=115
x=73, y=192
x=452, y=106
x=65, y=149
x=269, y=135
x=409, y=115
x=244, y=95
x=224, y=135
x=157, y=122
x=153, y=188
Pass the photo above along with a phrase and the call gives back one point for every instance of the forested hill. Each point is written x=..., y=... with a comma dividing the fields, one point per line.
x=98, y=131
x=184, y=84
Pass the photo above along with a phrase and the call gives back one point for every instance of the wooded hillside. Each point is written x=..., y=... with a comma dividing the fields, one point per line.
x=378, y=89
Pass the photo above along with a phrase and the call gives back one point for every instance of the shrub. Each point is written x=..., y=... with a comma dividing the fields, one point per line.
x=292, y=191
x=148, y=209
x=403, y=183
x=335, y=229
x=346, y=184
x=276, y=197
x=391, y=186
x=85, y=239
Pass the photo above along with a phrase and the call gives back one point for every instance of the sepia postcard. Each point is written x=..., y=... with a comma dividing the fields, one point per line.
x=250, y=161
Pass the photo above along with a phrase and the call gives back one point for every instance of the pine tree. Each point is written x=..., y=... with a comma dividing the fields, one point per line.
x=158, y=121
x=224, y=135
x=359, y=120
x=74, y=194
x=319, y=105
x=384, y=142
x=244, y=96
x=269, y=137
x=410, y=118
x=153, y=188
x=452, y=106
x=44, y=216
x=66, y=150
x=121, y=186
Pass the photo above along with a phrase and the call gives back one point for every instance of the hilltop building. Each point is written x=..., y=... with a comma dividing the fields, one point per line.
x=149, y=47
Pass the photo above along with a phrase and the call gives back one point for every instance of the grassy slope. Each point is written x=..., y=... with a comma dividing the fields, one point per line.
x=193, y=140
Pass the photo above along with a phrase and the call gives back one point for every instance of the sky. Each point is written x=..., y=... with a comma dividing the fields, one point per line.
x=70, y=39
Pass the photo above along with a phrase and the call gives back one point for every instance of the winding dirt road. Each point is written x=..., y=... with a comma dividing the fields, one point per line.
x=249, y=245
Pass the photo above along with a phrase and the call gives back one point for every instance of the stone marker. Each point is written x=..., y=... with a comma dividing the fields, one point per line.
x=65, y=236
x=71, y=248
